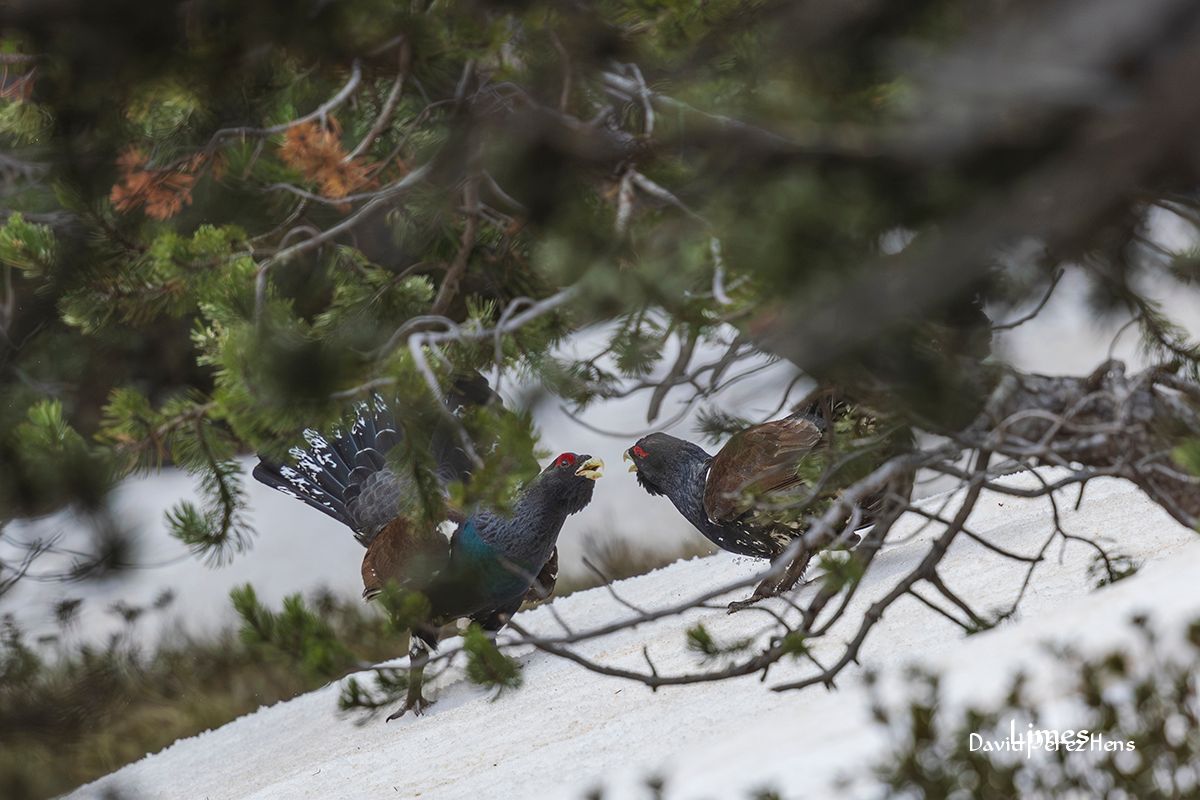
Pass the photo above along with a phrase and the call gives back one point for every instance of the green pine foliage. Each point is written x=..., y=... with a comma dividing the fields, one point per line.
x=389, y=686
x=298, y=634
x=1187, y=455
x=181, y=430
x=49, y=464
x=24, y=121
x=794, y=644
x=70, y=713
x=168, y=276
x=508, y=468
x=708, y=649
x=838, y=570
x=26, y=246
x=486, y=665
x=218, y=528
x=404, y=609
x=716, y=424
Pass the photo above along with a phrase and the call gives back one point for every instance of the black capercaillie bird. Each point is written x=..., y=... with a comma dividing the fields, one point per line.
x=746, y=498
x=490, y=565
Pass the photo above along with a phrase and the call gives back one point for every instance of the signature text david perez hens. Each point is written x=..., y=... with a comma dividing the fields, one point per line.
x=1031, y=739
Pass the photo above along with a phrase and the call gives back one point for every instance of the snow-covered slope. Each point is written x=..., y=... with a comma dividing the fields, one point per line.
x=568, y=731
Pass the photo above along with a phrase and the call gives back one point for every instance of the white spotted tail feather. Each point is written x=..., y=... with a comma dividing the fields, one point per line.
x=347, y=478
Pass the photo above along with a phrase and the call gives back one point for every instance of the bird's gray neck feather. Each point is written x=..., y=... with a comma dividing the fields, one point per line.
x=688, y=494
x=528, y=534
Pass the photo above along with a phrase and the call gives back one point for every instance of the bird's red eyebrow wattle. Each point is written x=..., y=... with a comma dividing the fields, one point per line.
x=565, y=458
x=639, y=452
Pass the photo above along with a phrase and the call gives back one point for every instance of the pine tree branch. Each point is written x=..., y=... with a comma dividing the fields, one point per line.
x=381, y=199
x=458, y=267
x=389, y=105
x=319, y=113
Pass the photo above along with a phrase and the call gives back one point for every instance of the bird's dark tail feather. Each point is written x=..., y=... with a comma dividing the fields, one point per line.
x=329, y=474
x=822, y=407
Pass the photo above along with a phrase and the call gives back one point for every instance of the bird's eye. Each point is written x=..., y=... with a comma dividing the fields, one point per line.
x=566, y=459
x=639, y=452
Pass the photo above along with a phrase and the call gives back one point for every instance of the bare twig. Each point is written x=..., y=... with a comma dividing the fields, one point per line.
x=1007, y=326
x=319, y=113
x=389, y=106
x=454, y=273
x=315, y=241
x=564, y=96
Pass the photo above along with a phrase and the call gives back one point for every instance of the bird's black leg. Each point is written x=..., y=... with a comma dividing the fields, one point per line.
x=771, y=587
x=418, y=657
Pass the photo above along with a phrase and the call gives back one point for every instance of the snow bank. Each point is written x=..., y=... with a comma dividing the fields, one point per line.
x=568, y=731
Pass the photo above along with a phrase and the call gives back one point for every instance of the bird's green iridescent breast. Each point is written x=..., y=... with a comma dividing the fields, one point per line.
x=501, y=576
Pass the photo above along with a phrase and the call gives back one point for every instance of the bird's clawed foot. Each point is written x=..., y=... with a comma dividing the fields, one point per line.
x=415, y=703
x=742, y=605
x=760, y=595
x=773, y=586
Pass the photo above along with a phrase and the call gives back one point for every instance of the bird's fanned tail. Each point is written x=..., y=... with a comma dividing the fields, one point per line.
x=346, y=478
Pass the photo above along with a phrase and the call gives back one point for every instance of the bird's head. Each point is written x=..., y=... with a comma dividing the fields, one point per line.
x=571, y=478
x=662, y=460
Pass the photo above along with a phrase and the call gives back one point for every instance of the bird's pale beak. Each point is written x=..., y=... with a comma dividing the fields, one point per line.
x=632, y=464
x=592, y=469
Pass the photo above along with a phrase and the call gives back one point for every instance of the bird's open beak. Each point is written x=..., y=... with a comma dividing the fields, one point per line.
x=632, y=464
x=592, y=469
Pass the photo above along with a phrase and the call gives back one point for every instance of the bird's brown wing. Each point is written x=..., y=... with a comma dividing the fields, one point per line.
x=758, y=461
x=400, y=553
